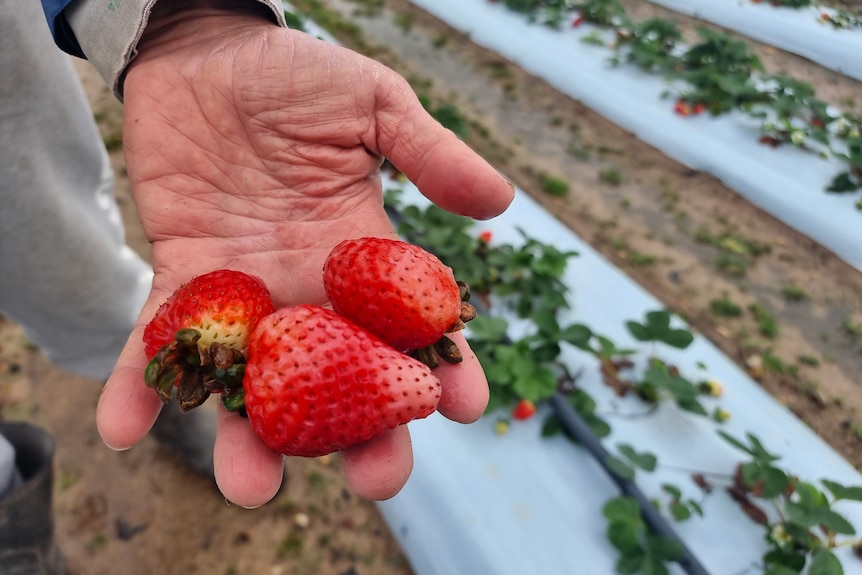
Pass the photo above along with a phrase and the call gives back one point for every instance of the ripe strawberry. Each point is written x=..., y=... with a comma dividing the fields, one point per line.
x=524, y=409
x=399, y=292
x=316, y=383
x=682, y=108
x=197, y=337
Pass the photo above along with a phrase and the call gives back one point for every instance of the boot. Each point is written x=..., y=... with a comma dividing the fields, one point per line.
x=27, y=542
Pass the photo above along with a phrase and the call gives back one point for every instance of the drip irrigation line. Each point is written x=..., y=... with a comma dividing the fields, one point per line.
x=579, y=431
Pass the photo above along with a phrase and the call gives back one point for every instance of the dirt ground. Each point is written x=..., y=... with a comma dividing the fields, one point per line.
x=674, y=230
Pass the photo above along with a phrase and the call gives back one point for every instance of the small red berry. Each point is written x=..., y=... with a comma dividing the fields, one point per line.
x=524, y=409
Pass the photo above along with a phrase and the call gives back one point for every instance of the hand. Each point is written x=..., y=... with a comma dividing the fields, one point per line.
x=258, y=148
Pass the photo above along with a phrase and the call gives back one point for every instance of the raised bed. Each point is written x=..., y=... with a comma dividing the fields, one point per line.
x=481, y=502
x=786, y=182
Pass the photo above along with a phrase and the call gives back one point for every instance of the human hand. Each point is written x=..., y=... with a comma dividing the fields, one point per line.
x=258, y=148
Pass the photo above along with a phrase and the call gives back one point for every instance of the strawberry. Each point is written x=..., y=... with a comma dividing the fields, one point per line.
x=524, y=409
x=316, y=383
x=682, y=108
x=399, y=292
x=197, y=337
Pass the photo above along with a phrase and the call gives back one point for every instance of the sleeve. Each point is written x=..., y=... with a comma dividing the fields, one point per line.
x=106, y=32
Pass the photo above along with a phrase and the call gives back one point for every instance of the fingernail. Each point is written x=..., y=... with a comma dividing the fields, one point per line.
x=117, y=449
x=231, y=504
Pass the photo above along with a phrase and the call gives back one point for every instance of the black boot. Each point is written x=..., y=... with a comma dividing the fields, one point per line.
x=27, y=542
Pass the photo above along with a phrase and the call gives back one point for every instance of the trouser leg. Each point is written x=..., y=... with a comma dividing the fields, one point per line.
x=66, y=274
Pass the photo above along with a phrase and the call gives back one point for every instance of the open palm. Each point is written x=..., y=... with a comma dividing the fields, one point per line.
x=258, y=148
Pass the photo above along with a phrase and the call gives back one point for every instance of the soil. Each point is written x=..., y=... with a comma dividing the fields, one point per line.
x=674, y=230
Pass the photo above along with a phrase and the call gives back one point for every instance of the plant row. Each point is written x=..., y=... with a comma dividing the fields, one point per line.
x=525, y=284
x=718, y=74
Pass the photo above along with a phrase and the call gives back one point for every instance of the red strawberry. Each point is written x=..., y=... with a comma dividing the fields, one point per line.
x=682, y=108
x=524, y=409
x=197, y=337
x=399, y=292
x=316, y=383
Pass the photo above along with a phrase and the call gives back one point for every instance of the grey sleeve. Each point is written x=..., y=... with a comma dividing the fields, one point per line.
x=108, y=32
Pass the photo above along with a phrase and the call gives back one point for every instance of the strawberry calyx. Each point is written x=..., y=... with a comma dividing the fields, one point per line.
x=444, y=347
x=190, y=373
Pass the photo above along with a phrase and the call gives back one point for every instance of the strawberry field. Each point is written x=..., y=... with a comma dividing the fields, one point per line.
x=622, y=435
x=670, y=313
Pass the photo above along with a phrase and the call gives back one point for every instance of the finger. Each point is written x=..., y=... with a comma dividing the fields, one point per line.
x=443, y=167
x=127, y=408
x=247, y=472
x=464, y=395
x=379, y=468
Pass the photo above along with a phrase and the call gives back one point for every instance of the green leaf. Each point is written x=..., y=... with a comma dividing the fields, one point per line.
x=781, y=570
x=622, y=509
x=838, y=491
x=672, y=490
x=678, y=338
x=695, y=506
x=536, y=385
x=653, y=565
x=638, y=331
x=645, y=460
x=824, y=562
x=831, y=520
x=630, y=564
x=597, y=425
x=619, y=467
x=578, y=335
x=551, y=426
x=679, y=511
x=693, y=406
x=787, y=559
x=666, y=548
x=735, y=442
x=658, y=321
x=842, y=183
x=625, y=537
x=488, y=328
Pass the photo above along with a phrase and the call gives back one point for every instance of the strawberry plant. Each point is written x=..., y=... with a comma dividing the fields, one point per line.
x=842, y=20
x=719, y=74
x=606, y=13
x=526, y=372
x=652, y=45
x=719, y=71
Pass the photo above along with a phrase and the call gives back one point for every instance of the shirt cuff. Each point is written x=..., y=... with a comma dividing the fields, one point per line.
x=108, y=33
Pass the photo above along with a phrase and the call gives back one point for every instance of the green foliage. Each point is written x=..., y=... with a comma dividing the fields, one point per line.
x=656, y=328
x=602, y=12
x=651, y=45
x=527, y=280
x=611, y=176
x=554, y=186
x=725, y=308
x=640, y=551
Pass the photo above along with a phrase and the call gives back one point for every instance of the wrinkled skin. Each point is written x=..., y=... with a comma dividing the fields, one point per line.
x=258, y=148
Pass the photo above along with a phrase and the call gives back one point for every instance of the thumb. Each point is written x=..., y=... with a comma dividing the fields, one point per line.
x=444, y=168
